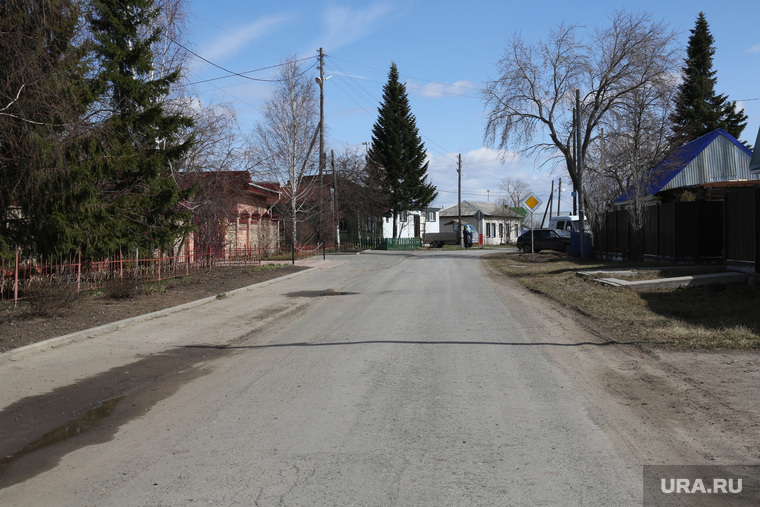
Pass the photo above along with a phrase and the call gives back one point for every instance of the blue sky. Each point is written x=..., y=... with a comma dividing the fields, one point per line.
x=445, y=51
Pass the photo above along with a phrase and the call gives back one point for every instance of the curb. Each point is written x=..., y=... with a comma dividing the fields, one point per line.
x=78, y=336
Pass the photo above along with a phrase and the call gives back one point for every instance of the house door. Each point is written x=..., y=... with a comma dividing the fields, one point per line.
x=417, y=226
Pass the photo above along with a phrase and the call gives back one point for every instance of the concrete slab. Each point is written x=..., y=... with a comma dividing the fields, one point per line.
x=677, y=281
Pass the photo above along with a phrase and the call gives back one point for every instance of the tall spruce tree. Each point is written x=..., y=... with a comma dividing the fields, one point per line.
x=398, y=153
x=698, y=109
x=42, y=97
x=139, y=142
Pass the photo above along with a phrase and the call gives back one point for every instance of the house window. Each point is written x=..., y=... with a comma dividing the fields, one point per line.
x=343, y=225
x=488, y=230
x=430, y=216
x=501, y=230
x=403, y=217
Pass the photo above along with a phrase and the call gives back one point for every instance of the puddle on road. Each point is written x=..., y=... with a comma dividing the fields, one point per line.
x=90, y=420
x=25, y=454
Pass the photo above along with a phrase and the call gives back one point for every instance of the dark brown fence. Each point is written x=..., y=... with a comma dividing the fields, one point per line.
x=676, y=231
x=742, y=218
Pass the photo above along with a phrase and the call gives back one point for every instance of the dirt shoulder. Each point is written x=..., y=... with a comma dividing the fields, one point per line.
x=699, y=406
x=24, y=326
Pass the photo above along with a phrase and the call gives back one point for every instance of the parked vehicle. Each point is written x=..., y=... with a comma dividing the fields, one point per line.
x=569, y=223
x=544, y=239
x=438, y=239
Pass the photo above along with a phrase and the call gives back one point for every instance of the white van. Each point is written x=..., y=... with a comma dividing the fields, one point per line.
x=568, y=223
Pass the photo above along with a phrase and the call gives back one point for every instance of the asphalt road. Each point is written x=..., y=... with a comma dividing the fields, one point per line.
x=383, y=379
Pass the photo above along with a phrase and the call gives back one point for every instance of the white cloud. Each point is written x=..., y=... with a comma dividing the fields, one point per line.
x=754, y=49
x=241, y=36
x=462, y=88
x=344, y=25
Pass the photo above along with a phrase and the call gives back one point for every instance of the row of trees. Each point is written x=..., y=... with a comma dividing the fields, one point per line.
x=97, y=134
x=633, y=110
x=389, y=180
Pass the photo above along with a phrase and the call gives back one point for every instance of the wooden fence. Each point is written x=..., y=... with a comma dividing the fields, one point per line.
x=742, y=225
x=675, y=231
x=704, y=231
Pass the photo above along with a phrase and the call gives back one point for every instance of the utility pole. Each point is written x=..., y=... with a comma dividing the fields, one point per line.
x=575, y=157
x=336, y=217
x=579, y=168
x=601, y=179
x=548, y=206
x=559, y=196
x=321, y=82
x=459, y=201
x=322, y=156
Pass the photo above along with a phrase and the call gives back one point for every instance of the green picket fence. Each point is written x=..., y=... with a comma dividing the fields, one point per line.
x=402, y=243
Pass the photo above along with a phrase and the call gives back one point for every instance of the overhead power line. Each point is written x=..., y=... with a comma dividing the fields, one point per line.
x=248, y=72
x=232, y=72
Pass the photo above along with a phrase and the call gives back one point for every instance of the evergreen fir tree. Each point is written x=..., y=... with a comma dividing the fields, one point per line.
x=398, y=153
x=698, y=110
x=44, y=94
x=139, y=142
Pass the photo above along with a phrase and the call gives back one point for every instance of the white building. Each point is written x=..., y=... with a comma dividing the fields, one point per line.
x=496, y=224
x=412, y=224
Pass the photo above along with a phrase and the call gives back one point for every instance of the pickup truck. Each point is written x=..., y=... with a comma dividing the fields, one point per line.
x=438, y=239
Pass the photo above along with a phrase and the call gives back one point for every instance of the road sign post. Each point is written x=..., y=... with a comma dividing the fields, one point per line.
x=531, y=204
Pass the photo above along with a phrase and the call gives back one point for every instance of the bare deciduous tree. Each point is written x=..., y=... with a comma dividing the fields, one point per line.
x=284, y=141
x=168, y=53
x=217, y=150
x=360, y=195
x=635, y=140
x=531, y=101
x=515, y=191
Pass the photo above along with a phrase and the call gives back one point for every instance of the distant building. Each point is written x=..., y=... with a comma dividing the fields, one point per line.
x=496, y=224
x=412, y=224
x=232, y=214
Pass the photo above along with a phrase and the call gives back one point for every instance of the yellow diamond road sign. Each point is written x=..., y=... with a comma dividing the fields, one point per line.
x=532, y=202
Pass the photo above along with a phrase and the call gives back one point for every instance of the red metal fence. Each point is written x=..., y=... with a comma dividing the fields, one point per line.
x=21, y=279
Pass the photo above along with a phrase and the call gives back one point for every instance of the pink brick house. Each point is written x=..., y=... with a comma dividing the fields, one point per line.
x=231, y=214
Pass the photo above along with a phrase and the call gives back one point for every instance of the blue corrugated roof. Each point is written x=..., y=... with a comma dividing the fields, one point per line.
x=754, y=164
x=679, y=159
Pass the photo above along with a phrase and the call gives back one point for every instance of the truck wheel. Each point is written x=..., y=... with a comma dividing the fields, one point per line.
x=526, y=248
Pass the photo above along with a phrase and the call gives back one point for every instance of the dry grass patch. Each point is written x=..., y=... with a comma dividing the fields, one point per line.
x=713, y=316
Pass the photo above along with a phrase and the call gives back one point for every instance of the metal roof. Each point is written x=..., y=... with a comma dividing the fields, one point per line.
x=489, y=209
x=716, y=156
x=754, y=164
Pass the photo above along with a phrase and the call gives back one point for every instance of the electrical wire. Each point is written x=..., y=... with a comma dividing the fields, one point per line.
x=232, y=72
x=250, y=72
